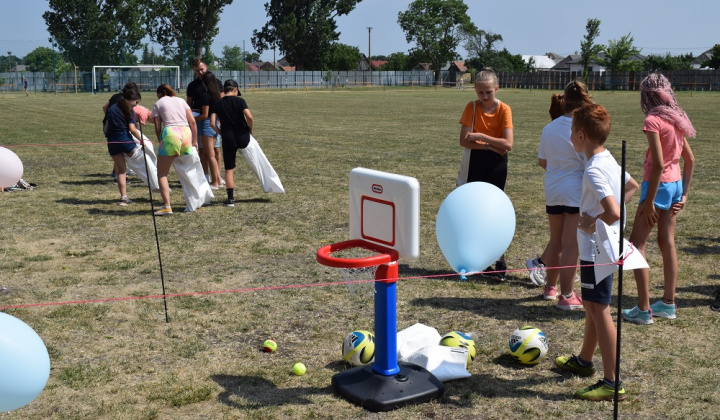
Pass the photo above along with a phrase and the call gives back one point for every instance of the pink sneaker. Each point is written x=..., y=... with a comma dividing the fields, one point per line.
x=550, y=292
x=568, y=304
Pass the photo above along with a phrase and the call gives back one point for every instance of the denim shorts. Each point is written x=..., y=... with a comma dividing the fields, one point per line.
x=204, y=129
x=668, y=193
x=120, y=146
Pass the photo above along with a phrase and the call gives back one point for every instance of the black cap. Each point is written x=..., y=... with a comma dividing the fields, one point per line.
x=231, y=83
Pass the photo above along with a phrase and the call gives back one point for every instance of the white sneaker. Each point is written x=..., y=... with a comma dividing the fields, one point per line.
x=537, y=271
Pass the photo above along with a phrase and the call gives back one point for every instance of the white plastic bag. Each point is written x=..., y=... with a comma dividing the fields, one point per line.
x=446, y=363
x=149, y=149
x=137, y=161
x=420, y=345
x=254, y=156
x=196, y=189
x=465, y=162
x=414, y=338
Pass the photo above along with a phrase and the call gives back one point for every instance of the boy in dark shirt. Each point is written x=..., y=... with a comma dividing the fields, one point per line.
x=236, y=126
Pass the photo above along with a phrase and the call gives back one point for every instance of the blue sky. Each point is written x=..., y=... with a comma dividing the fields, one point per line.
x=527, y=26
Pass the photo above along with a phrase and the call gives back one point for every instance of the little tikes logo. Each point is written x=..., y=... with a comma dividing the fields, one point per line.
x=377, y=188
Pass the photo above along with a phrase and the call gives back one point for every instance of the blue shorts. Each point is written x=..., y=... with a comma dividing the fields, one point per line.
x=668, y=193
x=120, y=146
x=204, y=130
x=591, y=292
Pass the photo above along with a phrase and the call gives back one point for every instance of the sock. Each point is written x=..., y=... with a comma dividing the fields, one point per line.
x=230, y=193
x=610, y=383
x=582, y=362
x=568, y=296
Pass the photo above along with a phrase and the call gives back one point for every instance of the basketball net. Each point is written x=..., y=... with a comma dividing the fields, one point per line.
x=360, y=281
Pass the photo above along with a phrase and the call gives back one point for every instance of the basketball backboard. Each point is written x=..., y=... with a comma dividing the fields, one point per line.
x=385, y=209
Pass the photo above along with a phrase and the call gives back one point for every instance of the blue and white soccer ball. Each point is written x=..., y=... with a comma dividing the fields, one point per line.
x=528, y=345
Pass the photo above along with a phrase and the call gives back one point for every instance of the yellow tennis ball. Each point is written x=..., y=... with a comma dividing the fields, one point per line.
x=299, y=369
x=269, y=346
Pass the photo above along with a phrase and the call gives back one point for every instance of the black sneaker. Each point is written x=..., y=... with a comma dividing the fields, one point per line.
x=500, y=268
x=715, y=304
x=229, y=203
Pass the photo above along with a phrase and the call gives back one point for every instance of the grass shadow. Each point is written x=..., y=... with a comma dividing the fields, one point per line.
x=501, y=309
x=253, y=200
x=491, y=386
x=253, y=392
x=704, y=246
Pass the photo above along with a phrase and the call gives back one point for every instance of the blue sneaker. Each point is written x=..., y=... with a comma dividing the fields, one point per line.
x=663, y=310
x=637, y=316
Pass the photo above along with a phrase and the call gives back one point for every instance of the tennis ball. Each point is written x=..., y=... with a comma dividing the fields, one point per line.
x=269, y=346
x=299, y=369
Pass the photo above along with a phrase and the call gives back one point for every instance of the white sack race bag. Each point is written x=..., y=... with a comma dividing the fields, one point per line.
x=137, y=163
x=465, y=162
x=196, y=189
x=149, y=149
x=259, y=164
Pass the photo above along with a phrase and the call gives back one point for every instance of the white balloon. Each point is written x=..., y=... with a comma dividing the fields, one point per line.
x=11, y=168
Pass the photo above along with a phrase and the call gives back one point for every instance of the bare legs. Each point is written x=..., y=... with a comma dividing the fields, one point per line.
x=666, y=242
x=163, y=167
x=120, y=172
x=562, y=251
x=599, y=330
x=213, y=168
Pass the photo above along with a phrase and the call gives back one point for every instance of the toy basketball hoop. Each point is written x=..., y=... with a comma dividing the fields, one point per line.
x=384, y=227
x=358, y=261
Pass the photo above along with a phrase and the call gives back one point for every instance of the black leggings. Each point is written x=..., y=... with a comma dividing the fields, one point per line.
x=487, y=166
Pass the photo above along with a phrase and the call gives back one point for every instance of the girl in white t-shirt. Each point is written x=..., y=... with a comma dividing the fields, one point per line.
x=563, y=187
x=176, y=130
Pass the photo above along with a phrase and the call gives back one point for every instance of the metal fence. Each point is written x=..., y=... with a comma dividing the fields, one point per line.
x=693, y=80
x=148, y=80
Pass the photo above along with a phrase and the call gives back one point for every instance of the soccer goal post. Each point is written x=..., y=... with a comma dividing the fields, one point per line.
x=152, y=68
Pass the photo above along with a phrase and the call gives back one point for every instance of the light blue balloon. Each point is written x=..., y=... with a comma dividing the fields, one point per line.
x=474, y=226
x=24, y=363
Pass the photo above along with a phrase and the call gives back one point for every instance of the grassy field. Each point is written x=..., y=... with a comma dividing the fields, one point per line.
x=68, y=241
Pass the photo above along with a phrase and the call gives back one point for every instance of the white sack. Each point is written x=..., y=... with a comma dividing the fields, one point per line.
x=259, y=164
x=137, y=162
x=446, y=363
x=414, y=338
x=196, y=189
x=149, y=149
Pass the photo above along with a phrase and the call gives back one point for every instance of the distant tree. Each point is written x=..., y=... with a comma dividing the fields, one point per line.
x=90, y=32
x=343, y=57
x=499, y=60
x=667, y=62
x=150, y=57
x=478, y=42
x=714, y=62
x=589, y=50
x=437, y=27
x=379, y=58
x=302, y=30
x=41, y=59
x=398, y=61
x=232, y=58
x=252, y=57
x=617, y=53
x=174, y=23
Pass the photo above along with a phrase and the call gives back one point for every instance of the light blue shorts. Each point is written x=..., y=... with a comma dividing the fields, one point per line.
x=668, y=193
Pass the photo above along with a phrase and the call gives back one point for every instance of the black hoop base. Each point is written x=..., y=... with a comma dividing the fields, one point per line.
x=375, y=392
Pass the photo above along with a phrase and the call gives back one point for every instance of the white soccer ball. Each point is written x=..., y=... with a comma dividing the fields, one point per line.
x=528, y=345
x=358, y=348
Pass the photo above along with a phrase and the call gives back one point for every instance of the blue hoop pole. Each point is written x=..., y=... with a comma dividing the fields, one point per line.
x=386, y=320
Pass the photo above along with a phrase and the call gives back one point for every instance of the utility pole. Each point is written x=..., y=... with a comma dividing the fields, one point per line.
x=369, y=63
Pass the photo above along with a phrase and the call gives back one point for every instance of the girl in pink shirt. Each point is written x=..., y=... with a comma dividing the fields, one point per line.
x=664, y=192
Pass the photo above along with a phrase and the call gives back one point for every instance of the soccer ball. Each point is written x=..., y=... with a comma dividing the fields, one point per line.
x=528, y=345
x=458, y=339
x=358, y=348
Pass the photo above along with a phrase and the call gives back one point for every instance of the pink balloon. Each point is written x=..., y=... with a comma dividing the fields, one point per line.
x=11, y=168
